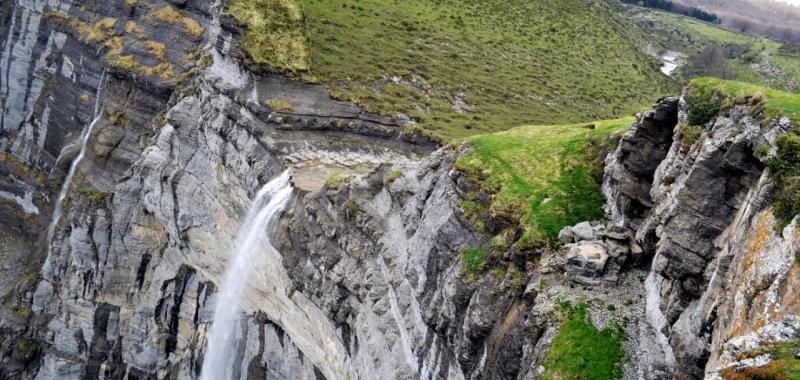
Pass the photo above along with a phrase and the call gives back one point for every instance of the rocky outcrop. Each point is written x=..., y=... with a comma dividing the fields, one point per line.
x=705, y=220
x=126, y=289
x=631, y=168
x=365, y=279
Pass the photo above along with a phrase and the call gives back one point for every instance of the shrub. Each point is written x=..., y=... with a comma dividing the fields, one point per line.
x=702, y=112
x=785, y=167
x=628, y=302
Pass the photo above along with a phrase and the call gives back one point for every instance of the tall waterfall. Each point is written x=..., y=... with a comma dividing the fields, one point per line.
x=73, y=167
x=269, y=201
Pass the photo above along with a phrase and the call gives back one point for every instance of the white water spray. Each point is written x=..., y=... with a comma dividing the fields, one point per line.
x=269, y=201
x=73, y=167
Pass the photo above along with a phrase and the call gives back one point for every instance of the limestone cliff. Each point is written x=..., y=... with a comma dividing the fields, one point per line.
x=366, y=279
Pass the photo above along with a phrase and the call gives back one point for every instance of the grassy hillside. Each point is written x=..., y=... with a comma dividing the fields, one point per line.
x=542, y=178
x=460, y=67
x=753, y=59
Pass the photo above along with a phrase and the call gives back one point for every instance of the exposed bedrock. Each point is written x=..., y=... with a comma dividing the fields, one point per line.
x=366, y=278
x=720, y=266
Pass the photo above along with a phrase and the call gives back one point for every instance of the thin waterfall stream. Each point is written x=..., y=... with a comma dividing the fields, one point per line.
x=86, y=134
x=222, y=341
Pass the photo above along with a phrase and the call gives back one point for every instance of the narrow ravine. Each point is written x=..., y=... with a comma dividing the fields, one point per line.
x=222, y=341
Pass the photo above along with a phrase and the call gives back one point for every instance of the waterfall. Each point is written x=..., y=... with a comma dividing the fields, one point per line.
x=73, y=167
x=656, y=317
x=269, y=201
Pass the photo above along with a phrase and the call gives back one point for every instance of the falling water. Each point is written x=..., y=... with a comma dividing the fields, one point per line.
x=269, y=201
x=655, y=317
x=87, y=133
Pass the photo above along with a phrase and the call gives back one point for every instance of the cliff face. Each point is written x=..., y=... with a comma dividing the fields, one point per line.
x=366, y=278
x=722, y=273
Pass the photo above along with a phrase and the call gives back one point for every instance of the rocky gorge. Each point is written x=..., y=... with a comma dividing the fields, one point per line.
x=364, y=277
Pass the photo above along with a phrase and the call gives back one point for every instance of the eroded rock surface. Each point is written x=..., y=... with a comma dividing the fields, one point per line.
x=365, y=279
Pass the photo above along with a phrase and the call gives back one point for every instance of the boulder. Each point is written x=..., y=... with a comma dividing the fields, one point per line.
x=586, y=262
x=584, y=231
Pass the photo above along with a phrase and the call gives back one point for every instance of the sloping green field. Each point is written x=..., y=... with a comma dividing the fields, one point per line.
x=542, y=178
x=459, y=67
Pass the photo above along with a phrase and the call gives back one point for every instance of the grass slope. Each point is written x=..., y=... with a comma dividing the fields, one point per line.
x=542, y=178
x=720, y=94
x=460, y=67
x=582, y=351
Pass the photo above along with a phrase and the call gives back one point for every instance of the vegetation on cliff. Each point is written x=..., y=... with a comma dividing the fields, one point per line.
x=541, y=178
x=709, y=96
x=275, y=32
x=582, y=351
x=783, y=366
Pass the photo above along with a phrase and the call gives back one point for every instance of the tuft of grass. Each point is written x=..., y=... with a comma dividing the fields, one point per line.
x=279, y=105
x=708, y=96
x=582, y=351
x=352, y=206
x=542, y=178
x=460, y=68
x=335, y=180
x=474, y=260
x=275, y=33
x=690, y=134
x=20, y=311
x=26, y=348
x=393, y=176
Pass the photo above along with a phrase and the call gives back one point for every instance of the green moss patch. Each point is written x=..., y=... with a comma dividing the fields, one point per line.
x=280, y=105
x=582, y=351
x=474, y=260
x=542, y=178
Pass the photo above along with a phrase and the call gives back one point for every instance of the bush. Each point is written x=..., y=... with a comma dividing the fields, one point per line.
x=701, y=113
x=785, y=167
